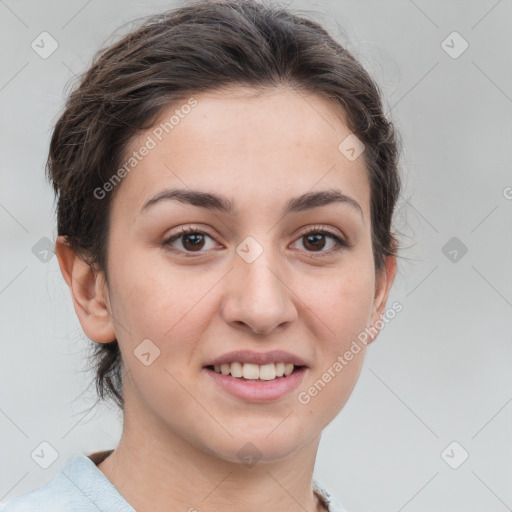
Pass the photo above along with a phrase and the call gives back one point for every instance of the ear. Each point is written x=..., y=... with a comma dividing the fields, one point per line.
x=89, y=292
x=383, y=283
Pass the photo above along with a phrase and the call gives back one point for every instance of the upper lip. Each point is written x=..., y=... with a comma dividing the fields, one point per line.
x=249, y=356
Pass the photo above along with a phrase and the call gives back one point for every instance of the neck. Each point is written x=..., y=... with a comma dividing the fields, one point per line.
x=156, y=470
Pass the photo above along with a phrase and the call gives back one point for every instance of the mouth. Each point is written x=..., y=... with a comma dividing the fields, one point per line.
x=250, y=382
x=255, y=372
x=254, y=376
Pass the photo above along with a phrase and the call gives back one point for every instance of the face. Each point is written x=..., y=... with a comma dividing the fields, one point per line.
x=191, y=281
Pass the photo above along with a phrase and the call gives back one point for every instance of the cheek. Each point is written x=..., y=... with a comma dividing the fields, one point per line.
x=343, y=302
x=159, y=304
x=154, y=298
x=344, y=307
x=170, y=308
x=351, y=306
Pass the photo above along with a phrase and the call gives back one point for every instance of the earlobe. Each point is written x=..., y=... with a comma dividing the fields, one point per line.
x=89, y=293
x=383, y=283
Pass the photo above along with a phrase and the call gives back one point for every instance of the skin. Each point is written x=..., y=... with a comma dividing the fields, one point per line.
x=181, y=432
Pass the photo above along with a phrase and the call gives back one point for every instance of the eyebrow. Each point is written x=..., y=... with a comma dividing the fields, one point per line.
x=224, y=205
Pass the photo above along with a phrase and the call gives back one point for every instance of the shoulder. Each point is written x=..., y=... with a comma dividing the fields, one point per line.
x=328, y=499
x=43, y=499
x=79, y=486
x=58, y=493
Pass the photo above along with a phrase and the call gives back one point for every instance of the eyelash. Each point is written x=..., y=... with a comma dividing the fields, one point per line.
x=317, y=230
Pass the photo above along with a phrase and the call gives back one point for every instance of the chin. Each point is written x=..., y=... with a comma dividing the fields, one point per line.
x=267, y=443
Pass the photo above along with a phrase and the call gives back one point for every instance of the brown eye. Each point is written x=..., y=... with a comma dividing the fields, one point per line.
x=315, y=241
x=192, y=241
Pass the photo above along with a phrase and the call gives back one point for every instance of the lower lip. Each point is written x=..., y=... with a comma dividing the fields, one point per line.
x=258, y=390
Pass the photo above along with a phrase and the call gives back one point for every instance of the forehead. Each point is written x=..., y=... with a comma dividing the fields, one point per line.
x=259, y=145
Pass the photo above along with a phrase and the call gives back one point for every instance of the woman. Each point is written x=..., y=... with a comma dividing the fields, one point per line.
x=226, y=181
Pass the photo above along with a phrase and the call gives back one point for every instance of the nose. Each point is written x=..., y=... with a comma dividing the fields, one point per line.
x=257, y=299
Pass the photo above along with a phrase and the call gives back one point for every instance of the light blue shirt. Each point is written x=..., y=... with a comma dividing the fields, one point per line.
x=79, y=486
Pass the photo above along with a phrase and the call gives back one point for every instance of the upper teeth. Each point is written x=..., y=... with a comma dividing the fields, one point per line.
x=255, y=371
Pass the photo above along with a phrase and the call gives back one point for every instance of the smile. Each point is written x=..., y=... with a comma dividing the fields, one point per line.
x=250, y=371
x=256, y=389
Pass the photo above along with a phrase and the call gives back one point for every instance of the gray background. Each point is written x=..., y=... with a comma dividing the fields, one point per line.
x=438, y=373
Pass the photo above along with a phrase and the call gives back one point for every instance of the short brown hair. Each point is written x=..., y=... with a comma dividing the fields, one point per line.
x=197, y=48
